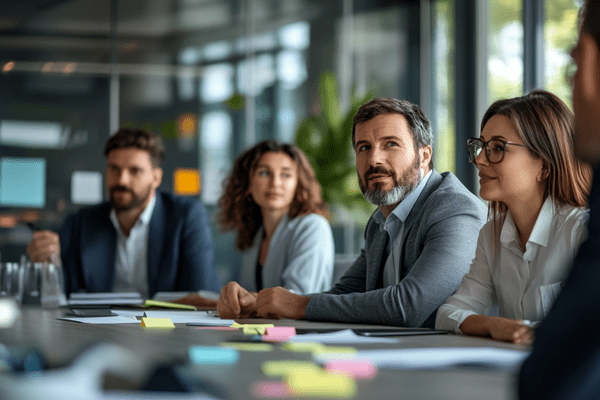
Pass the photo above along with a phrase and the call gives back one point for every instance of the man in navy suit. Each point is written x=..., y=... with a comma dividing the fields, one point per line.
x=565, y=362
x=143, y=240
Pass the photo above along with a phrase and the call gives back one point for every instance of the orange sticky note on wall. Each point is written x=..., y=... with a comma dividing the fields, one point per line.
x=186, y=182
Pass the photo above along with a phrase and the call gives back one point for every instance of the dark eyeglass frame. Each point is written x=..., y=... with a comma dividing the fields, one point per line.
x=477, y=142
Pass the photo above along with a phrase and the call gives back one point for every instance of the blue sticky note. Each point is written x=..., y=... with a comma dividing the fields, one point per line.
x=213, y=355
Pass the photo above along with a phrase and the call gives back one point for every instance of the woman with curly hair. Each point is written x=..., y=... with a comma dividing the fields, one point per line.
x=537, y=193
x=273, y=201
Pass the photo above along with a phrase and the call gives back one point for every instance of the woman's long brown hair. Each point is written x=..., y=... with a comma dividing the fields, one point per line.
x=546, y=126
x=239, y=212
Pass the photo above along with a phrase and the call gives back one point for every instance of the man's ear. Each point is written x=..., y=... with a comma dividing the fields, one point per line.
x=590, y=55
x=425, y=154
x=158, y=175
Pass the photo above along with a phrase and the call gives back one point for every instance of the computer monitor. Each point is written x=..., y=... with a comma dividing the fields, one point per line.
x=22, y=182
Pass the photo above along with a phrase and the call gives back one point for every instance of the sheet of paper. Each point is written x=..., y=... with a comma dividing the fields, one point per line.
x=86, y=187
x=129, y=313
x=186, y=317
x=129, y=298
x=436, y=358
x=102, y=320
x=345, y=336
x=105, y=295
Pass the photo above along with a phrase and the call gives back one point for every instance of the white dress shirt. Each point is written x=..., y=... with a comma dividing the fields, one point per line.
x=394, y=226
x=131, y=256
x=514, y=284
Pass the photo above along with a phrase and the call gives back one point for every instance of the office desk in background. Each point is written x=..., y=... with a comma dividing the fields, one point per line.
x=62, y=342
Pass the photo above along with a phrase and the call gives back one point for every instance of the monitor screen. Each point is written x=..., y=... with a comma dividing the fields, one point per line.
x=22, y=182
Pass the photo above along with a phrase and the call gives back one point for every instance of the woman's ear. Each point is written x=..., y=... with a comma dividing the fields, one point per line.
x=543, y=173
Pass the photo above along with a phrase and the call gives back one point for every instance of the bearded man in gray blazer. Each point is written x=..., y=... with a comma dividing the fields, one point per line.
x=418, y=243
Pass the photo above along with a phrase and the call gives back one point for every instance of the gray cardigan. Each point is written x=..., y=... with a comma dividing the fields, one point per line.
x=438, y=244
x=300, y=256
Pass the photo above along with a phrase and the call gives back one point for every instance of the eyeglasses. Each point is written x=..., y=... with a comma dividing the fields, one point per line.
x=494, y=149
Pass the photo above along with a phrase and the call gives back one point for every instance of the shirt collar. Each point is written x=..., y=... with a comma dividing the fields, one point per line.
x=541, y=230
x=405, y=206
x=143, y=219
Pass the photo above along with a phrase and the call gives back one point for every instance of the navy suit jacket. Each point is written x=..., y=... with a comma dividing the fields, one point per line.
x=180, y=249
x=565, y=362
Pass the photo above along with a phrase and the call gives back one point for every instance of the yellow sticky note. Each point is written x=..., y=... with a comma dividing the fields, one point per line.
x=236, y=325
x=256, y=329
x=303, y=346
x=334, y=350
x=168, y=304
x=325, y=384
x=286, y=367
x=249, y=346
x=157, y=323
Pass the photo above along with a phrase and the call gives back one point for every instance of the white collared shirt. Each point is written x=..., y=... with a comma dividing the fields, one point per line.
x=131, y=255
x=518, y=285
x=394, y=226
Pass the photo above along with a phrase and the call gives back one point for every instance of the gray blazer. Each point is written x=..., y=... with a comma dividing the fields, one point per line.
x=438, y=244
x=300, y=256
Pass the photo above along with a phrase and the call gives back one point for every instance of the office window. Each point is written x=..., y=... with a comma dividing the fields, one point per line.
x=560, y=31
x=445, y=133
x=505, y=49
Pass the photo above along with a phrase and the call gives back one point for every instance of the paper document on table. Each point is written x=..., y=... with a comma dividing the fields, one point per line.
x=128, y=298
x=102, y=320
x=344, y=336
x=439, y=358
x=186, y=317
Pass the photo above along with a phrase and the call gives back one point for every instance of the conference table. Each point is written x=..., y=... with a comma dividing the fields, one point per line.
x=127, y=357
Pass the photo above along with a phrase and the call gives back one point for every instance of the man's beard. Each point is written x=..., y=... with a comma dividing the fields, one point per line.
x=409, y=180
x=136, y=200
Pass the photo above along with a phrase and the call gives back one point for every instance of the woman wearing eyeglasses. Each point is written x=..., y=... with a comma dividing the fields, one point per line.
x=537, y=192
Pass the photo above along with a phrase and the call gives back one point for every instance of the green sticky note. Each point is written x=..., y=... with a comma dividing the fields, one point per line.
x=167, y=304
x=256, y=329
x=303, y=346
x=287, y=367
x=249, y=346
x=321, y=385
x=334, y=350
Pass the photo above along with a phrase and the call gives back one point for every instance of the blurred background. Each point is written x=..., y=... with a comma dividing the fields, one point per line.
x=214, y=77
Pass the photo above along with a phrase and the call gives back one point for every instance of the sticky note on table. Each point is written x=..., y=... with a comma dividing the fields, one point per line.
x=168, y=304
x=325, y=384
x=249, y=346
x=279, y=333
x=157, y=323
x=358, y=369
x=210, y=355
x=329, y=351
x=286, y=367
x=255, y=329
x=300, y=347
x=275, y=390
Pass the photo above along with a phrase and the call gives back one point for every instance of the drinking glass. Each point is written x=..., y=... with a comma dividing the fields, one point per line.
x=51, y=289
x=31, y=282
x=10, y=285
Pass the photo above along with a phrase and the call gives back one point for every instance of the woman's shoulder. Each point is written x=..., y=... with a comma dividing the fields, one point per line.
x=570, y=215
x=306, y=220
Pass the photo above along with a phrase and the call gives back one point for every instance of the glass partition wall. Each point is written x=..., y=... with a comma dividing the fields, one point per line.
x=213, y=77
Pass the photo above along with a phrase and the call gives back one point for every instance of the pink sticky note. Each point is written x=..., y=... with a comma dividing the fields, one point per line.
x=281, y=331
x=359, y=369
x=274, y=390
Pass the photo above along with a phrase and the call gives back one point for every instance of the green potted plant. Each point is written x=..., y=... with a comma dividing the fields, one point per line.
x=325, y=138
